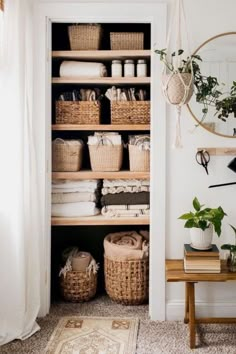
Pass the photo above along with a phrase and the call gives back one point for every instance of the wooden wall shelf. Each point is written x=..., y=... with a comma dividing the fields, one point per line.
x=103, y=80
x=101, y=175
x=100, y=220
x=103, y=55
x=219, y=151
x=102, y=127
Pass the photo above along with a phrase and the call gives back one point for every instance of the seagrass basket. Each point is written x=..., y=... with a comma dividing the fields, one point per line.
x=106, y=158
x=139, y=160
x=126, y=40
x=78, y=112
x=127, y=282
x=85, y=36
x=130, y=112
x=65, y=156
x=78, y=286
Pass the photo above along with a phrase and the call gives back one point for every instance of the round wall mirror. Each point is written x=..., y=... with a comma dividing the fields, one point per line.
x=213, y=104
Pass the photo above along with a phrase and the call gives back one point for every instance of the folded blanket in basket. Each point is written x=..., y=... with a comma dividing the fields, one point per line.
x=128, y=189
x=75, y=186
x=126, y=245
x=125, y=182
x=64, y=197
x=75, y=209
x=105, y=139
x=125, y=210
x=82, y=69
x=125, y=198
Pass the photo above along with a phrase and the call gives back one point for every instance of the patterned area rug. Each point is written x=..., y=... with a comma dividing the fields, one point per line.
x=94, y=335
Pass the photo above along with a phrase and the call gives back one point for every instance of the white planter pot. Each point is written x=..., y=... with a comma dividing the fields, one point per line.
x=201, y=239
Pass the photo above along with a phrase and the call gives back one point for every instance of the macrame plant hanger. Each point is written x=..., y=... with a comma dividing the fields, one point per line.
x=177, y=86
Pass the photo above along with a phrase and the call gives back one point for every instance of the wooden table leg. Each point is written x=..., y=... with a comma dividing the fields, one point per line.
x=192, y=323
x=186, y=316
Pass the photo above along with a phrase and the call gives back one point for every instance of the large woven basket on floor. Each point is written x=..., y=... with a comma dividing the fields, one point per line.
x=66, y=157
x=85, y=36
x=176, y=91
x=106, y=158
x=126, y=40
x=139, y=160
x=127, y=281
x=78, y=286
x=78, y=112
x=130, y=112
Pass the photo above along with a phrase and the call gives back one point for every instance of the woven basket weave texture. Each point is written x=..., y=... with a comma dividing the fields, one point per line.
x=85, y=37
x=130, y=112
x=176, y=90
x=78, y=112
x=106, y=158
x=127, y=281
x=78, y=286
x=139, y=160
x=127, y=40
x=66, y=158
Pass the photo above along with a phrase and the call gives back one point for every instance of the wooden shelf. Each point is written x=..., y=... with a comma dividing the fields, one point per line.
x=103, y=80
x=100, y=175
x=102, y=127
x=103, y=55
x=219, y=151
x=100, y=220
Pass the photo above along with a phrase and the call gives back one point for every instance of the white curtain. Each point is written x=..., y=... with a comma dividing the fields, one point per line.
x=19, y=218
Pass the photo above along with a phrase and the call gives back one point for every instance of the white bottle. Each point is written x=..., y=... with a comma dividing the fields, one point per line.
x=116, y=68
x=141, y=68
x=129, y=68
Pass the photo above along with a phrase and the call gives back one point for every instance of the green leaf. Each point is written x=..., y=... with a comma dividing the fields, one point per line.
x=186, y=216
x=196, y=204
x=233, y=229
x=189, y=224
x=226, y=247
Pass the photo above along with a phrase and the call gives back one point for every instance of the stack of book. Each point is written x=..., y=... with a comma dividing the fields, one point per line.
x=196, y=261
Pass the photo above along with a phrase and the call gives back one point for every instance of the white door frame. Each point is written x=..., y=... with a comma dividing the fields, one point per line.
x=66, y=11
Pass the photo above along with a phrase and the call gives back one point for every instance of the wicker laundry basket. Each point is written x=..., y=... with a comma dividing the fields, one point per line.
x=78, y=286
x=176, y=89
x=78, y=112
x=85, y=36
x=106, y=158
x=66, y=157
x=127, y=282
x=130, y=112
x=126, y=40
x=139, y=160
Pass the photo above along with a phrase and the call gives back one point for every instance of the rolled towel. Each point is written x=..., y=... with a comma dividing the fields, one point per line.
x=61, y=198
x=75, y=69
x=81, y=261
x=71, y=210
x=125, y=246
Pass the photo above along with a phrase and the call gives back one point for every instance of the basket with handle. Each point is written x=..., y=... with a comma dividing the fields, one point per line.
x=127, y=40
x=85, y=36
x=78, y=112
x=139, y=157
x=66, y=155
x=130, y=112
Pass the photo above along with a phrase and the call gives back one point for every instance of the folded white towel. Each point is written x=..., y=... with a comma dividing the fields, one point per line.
x=127, y=189
x=60, y=198
x=74, y=209
x=105, y=139
x=125, y=182
x=74, y=186
x=82, y=69
x=109, y=212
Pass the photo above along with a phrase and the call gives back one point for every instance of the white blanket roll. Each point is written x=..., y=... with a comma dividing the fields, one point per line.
x=82, y=69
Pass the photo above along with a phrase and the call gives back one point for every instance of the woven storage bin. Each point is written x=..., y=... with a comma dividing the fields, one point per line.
x=139, y=160
x=106, y=158
x=78, y=112
x=85, y=37
x=130, y=112
x=78, y=286
x=126, y=40
x=65, y=157
x=127, y=282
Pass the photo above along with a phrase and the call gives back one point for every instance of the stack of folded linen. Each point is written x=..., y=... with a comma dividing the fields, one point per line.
x=75, y=198
x=128, y=197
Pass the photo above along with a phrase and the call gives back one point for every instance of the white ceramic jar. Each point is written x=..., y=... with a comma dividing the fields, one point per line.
x=116, y=68
x=141, y=68
x=129, y=68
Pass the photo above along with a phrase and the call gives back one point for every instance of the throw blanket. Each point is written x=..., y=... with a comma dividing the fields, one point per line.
x=105, y=139
x=128, y=189
x=60, y=198
x=125, y=198
x=125, y=182
x=125, y=210
x=126, y=246
x=82, y=69
x=70, y=186
x=71, y=210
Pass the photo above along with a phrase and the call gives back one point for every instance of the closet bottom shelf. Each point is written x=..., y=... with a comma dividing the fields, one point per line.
x=100, y=220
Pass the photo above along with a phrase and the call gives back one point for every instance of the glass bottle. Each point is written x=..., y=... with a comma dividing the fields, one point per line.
x=129, y=68
x=141, y=68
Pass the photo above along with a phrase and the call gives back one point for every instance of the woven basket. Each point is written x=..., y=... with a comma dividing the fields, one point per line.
x=65, y=157
x=175, y=91
x=78, y=286
x=127, y=282
x=130, y=112
x=85, y=37
x=126, y=40
x=139, y=160
x=106, y=158
x=78, y=112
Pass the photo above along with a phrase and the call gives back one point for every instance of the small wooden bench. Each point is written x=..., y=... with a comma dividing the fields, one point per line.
x=175, y=273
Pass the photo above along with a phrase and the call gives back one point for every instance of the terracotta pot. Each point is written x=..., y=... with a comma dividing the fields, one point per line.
x=175, y=91
x=201, y=239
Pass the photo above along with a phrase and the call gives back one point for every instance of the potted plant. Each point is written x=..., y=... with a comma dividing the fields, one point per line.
x=232, y=249
x=201, y=223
